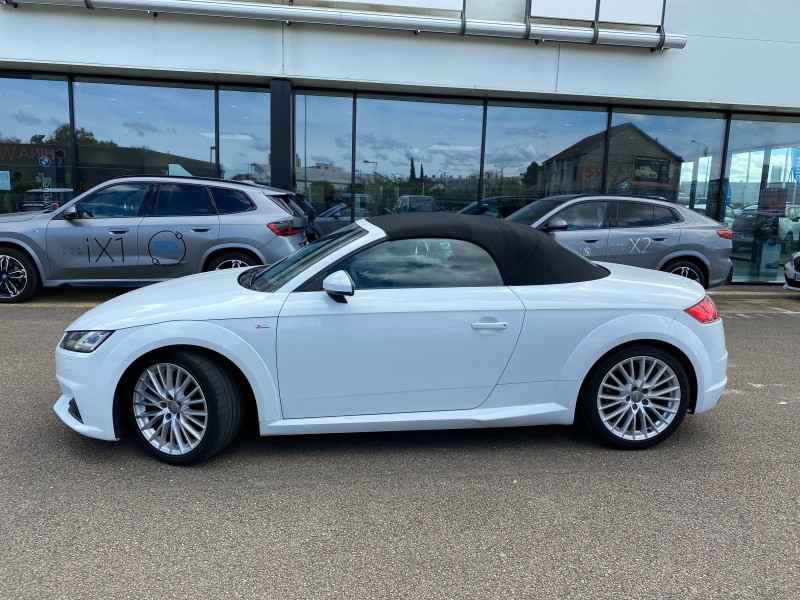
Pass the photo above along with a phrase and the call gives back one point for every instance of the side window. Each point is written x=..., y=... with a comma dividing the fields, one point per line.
x=120, y=200
x=663, y=216
x=634, y=214
x=422, y=263
x=231, y=201
x=177, y=199
x=584, y=215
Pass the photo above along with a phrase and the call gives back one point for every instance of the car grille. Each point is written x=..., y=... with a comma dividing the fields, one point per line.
x=797, y=263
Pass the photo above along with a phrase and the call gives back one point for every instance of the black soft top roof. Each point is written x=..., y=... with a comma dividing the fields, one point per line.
x=523, y=255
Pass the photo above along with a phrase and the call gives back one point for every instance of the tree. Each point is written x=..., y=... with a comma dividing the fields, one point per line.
x=83, y=137
x=531, y=175
x=9, y=140
x=412, y=175
x=422, y=172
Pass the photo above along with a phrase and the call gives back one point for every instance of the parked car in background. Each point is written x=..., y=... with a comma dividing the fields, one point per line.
x=364, y=203
x=499, y=207
x=133, y=231
x=417, y=203
x=781, y=227
x=791, y=272
x=414, y=337
x=334, y=218
x=39, y=199
x=636, y=231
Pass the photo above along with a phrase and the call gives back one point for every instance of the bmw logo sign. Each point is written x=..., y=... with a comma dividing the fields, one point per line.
x=44, y=161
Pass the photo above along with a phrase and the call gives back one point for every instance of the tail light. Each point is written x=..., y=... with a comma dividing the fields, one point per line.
x=704, y=311
x=284, y=228
x=725, y=233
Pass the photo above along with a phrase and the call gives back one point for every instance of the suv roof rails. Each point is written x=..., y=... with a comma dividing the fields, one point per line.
x=249, y=182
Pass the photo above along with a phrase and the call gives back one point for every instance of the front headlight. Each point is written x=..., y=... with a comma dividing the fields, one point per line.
x=84, y=341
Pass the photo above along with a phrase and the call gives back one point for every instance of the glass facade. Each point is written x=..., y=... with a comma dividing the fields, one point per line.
x=324, y=145
x=244, y=143
x=35, y=151
x=762, y=195
x=142, y=128
x=417, y=148
x=393, y=153
x=537, y=152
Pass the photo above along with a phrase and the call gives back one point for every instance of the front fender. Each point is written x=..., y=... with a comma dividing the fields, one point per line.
x=16, y=242
x=223, y=338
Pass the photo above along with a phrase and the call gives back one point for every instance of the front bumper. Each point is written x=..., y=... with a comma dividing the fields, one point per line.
x=88, y=381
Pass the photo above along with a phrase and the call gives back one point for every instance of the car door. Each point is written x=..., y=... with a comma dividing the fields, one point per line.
x=101, y=242
x=429, y=328
x=180, y=227
x=587, y=228
x=643, y=234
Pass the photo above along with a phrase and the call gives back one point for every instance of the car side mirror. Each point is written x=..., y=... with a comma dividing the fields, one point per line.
x=71, y=212
x=338, y=285
x=556, y=225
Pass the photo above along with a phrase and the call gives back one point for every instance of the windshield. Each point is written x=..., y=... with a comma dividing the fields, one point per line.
x=535, y=210
x=269, y=279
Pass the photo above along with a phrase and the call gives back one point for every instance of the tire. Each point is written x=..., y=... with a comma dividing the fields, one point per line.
x=184, y=407
x=19, y=278
x=232, y=260
x=688, y=269
x=788, y=242
x=626, y=410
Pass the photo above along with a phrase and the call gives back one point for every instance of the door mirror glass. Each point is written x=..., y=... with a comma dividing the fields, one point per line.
x=338, y=285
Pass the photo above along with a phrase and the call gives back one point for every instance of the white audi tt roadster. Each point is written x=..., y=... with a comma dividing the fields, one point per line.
x=399, y=322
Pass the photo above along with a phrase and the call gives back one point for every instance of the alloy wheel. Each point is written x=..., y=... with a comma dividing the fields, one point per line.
x=170, y=409
x=13, y=277
x=688, y=272
x=232, y=264
x=639, y=398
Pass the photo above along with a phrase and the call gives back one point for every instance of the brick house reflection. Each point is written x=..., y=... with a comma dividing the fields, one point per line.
x=639, y=164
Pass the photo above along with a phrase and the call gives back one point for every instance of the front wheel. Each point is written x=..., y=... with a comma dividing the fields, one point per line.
x=19, y=278
x=788, y=242
x=184, y=407
x=635, y=398
x=688, y=269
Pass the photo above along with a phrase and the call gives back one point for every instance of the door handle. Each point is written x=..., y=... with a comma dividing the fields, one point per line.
x=659, y=239
x=118, y=231
x=591, y=240
x=494, y=325
x=201, y=229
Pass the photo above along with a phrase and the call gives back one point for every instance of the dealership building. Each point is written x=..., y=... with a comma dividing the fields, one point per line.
x=694, y=102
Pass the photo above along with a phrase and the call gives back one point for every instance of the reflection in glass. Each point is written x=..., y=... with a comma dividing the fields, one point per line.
x=764, y=195
x=323, y=138
x=670, y=155
x=244, y=135
x=127, y=129
x=407, y=147
x=35, y=151
x=539, y=152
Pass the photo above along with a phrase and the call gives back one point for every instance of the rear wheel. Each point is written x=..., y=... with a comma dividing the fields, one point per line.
x=184, y=407
x=19, y=278
x=688, y=269
x=232, y=260
x=635, y=398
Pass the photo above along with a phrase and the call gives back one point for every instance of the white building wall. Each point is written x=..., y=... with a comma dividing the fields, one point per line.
x=739, y=54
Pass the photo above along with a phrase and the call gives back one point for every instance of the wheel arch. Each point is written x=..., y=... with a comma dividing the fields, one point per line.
x=255, y=377
x=219, y=250
x=682, y=358
x=23, y=247
x=627, y=331
x=694, y=258
x=135, y=368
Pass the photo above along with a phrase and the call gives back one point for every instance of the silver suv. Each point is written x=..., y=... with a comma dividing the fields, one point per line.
x=631, y=230
x=133, y=231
